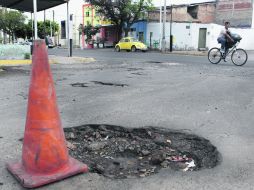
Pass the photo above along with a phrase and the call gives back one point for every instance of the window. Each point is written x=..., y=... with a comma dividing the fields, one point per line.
x=126, y=40
x=63, y=29
x=193, y=11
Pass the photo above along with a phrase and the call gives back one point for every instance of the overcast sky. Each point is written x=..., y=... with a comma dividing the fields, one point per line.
x=76, y=8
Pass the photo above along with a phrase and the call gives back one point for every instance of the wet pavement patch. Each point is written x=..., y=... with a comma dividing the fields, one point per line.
x=109, y=84
x=78, y=84
x=118, y=152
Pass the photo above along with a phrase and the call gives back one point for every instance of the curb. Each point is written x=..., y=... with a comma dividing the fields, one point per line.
x=52, y=60
x=14, y=62
x=189, y=53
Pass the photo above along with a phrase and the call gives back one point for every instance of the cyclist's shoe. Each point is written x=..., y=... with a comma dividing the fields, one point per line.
x=222, y=50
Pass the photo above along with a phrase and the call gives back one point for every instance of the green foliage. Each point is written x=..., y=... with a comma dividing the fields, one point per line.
x=123, y=13
x=90, y=31
x=43, y=28
x=12, y=22
x=27, y=56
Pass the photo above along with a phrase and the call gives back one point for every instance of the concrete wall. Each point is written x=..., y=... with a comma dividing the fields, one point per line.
x=186, y=35
x=13, y=51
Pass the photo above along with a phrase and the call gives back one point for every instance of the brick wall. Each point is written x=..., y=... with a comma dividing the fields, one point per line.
x=238, y=12
x=205, y=14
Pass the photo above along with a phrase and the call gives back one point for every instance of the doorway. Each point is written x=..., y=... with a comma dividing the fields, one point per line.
x=202, y=38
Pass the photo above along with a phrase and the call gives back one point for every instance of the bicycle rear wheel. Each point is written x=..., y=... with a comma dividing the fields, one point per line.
x=214, y=55
x=239, y=57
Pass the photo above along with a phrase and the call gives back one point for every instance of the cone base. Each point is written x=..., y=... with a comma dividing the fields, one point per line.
x=32, y=180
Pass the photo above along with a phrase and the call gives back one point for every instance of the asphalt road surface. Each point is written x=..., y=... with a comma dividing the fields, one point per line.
x=184, y=93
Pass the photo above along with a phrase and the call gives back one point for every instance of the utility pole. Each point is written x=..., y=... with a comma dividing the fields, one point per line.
x=32, y=26
x=68, y=30
x=35, y=20
x=171, y=36
x=160, y=25
x=71, y=33
x=164, y=28
x=44, y=24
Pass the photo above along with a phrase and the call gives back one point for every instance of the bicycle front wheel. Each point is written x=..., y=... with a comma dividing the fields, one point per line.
x=239, y=57
x=214, y=55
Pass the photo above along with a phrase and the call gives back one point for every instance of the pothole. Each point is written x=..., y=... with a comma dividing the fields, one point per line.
x=134, y=69
x=154, y=62
x=138, y=73
x=109, y=84
x=14, y=70
x=119, y=152
x=79, y=84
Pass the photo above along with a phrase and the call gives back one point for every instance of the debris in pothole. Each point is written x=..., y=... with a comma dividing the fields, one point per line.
x=190, y=165
x=109, y=84
x=118, y=152
x=79, y=84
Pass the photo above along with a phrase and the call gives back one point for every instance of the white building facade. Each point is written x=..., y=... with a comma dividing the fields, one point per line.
x=194, y=36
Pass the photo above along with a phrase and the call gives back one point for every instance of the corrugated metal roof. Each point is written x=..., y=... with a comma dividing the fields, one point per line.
x=27, y=5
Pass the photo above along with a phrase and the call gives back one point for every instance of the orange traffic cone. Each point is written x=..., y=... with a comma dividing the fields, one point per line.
x=45, y=156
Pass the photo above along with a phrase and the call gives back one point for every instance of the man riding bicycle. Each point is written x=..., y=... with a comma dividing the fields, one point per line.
x=225, y=37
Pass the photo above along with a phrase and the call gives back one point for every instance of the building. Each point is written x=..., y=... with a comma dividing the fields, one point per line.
x=238, y=12
x=139, y=30
x=193, y=13
x=108, y=32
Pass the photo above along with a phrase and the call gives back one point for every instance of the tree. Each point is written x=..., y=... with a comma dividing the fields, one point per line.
x=11, y=22
x=90, y=31
x=44, y=29
x=123, y=13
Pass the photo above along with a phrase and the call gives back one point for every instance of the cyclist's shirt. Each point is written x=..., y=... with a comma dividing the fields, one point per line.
x=223, y=32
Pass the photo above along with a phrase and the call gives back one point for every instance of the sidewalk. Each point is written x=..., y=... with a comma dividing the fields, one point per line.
x=195, y=53
x=52, y=60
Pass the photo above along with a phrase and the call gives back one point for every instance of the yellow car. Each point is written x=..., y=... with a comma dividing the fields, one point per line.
x=130, y=44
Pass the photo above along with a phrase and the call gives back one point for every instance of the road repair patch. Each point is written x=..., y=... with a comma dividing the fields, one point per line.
x=118, y=152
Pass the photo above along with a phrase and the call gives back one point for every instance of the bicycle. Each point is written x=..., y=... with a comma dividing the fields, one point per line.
x=238, y=55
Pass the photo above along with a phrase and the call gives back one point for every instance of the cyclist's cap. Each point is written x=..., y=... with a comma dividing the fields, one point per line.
x=226, y=22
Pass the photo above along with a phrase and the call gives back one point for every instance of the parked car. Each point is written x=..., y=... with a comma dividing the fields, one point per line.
x=130, y=44
x=49, y=42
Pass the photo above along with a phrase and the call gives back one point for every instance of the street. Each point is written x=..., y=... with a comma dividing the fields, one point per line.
x=178, y=92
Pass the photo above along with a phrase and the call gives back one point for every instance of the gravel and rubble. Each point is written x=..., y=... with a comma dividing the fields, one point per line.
x=118, y=152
